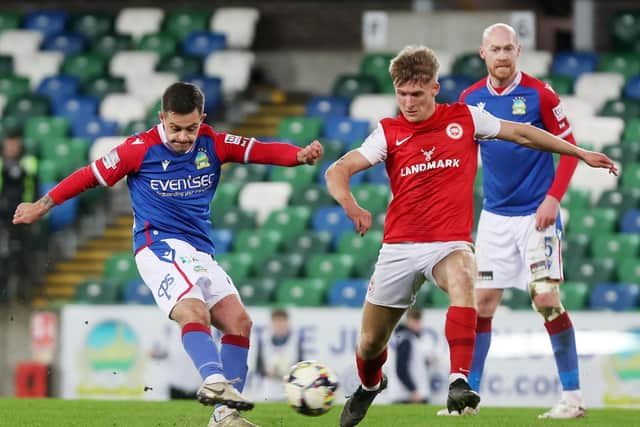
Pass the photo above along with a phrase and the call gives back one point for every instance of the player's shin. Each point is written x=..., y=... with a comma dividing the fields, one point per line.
x=234, y=351
x=197, y=342
x=481, y=349
x=460, y=330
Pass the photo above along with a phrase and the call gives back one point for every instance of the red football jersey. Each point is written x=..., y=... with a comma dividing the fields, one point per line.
x=431, y=166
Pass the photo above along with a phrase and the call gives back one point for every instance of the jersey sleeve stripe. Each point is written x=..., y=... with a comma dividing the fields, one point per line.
x=96, y=173
x=247, y=152
x=565, y=133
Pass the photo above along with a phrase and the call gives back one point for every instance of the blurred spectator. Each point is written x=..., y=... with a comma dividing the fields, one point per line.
x=278, y=349
x=412, y=360
x=17, y=184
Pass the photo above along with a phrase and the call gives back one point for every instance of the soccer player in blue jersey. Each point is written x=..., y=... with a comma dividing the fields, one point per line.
x=172, y=173
x=519, y=232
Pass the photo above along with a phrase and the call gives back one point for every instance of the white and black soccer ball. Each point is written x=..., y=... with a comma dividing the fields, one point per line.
x=310, y=388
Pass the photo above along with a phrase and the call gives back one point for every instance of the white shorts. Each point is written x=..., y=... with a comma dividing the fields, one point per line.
x=174, y=270
x=511, y=253
x=403, y=267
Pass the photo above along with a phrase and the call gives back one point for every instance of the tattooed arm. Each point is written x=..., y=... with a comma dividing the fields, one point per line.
x=27, y=213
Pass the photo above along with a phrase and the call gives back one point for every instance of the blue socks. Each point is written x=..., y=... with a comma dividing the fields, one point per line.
x=234, y=351
x=563, y=342
x=197, y=342
x=483, y=342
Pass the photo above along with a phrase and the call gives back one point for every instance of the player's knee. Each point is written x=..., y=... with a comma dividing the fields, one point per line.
x=545, y=298
x=370, y=345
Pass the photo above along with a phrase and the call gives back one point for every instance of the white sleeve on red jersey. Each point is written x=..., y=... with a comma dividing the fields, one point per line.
x=487, y=125
x=374, y=148
x=552, y=114
x=120, y=161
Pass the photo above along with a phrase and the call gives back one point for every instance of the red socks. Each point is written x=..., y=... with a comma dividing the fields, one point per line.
x=460, y=330
x=370, y=371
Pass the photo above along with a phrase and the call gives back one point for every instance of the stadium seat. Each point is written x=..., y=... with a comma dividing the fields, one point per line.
x=222, y=240
x=324, y=107
x=203, y=43
x=469, y=65
x=130, y=63
x=42, y=128
x=20, y=41
x=226, y=197
x=562, y=85
x=333, y=149
x=48, y=22
x=236, y=264
x=590, y=271
x=309, y=242
x=437, y=297
x=121, y=108
x=535, y=62
x=329, y=267
x=346, y=129
x=290, y=221
x=576, y=108
x=576, y=198
x=260, y=243
x=102, y=146
x=309, y=292
x=372, y=197
x=631, y=131
x=599, y=87
x=614, y=296
x=212, y=89
x=181, y=65
x=333, y=220
x=630, y=176
x=623, y=108
x=244, y=173
x=299, y=178
x=58, y=87
x=136, y=292
x=620, y=200
x=352, y=85
x=96, y=292
x=574, y=295
x=233, y=67
x=314, y=197
x=583, y=178
x=26, y=106
x=625, y=63
x=597, y=132
x=632, y=88
x=593, y=221
x=280, y=266
x=516, y=299
x=138, y=21
x=256, y=291
x=6, y=65
x=235, y=219
x=628, y=270
x=376, y=65
x=377, y=175
x=300, y=130
x=9, y=20
x=624, y=29
x=452, y=86
x=108, y=45
x=91, y=128
x=348, y=293
x=238, y=24
x=76, y=107
x=162, y=43
x=66, y=155
x=147, y=88
x=630, y=221
x=91, y=24
x=373, y=108
x=65, y=43
x=184, y=22
x=119, y=268
x=252, y=198
x=615, y=246
x=85, y=66
x=363, y=248
x=48, y=65
x=103, y=86
x=573, y=64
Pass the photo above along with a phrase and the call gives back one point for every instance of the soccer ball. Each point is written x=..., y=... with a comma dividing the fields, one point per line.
x=310, y=388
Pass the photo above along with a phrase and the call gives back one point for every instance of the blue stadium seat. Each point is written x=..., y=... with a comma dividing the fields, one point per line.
x=348, y=293
x=452, y=86
x=63, y=214
x=212, y=89
x=67, y=43
x=346, y=129
x=77, y=107
x=222, y=239
x=630, y=221
x=377, y=174
x=327, y=106
x=632, y=88
x=136, y=292
x=48, y=22
x=58, y=88
x=573, y=64
x=202, y=43
x=614, y=296
x=92, y=127
x=355, y=179
x=333, y=220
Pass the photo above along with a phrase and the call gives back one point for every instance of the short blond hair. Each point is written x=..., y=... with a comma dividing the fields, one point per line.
x=414, y=64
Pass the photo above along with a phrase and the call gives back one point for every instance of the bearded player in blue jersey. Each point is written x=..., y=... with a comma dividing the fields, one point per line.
x=172, y=173
x=519, y=232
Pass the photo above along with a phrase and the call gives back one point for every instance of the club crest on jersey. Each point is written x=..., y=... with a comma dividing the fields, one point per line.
x=454, y=130
x=519, y=106
x=428, y=153
x=202, y=161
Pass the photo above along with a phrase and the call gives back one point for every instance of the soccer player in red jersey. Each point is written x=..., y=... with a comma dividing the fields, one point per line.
x=430, y=153
x=172, y=172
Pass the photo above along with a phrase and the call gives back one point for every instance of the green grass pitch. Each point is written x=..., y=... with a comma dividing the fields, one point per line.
x=90, y=413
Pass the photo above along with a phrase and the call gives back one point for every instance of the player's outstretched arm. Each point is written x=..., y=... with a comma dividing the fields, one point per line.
x=337, y=177
x=27, y=213
x=311, y=153
x=538, y=139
